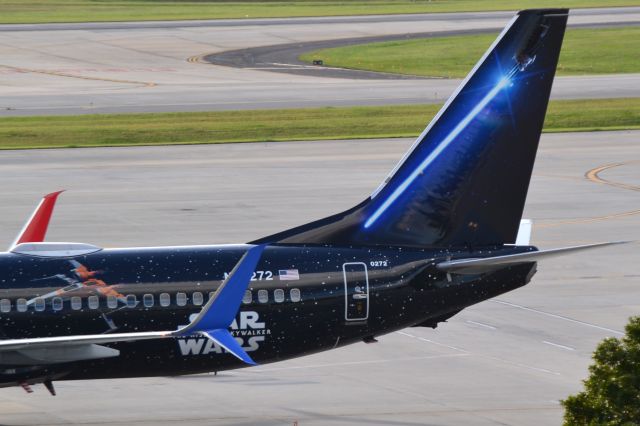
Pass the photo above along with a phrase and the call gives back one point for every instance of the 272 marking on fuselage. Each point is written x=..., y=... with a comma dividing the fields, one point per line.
x=257, y=276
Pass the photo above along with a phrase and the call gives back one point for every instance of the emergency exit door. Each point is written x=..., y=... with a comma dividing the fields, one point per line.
x=356, y=291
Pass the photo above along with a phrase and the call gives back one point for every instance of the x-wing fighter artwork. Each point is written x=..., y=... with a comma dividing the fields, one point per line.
x=79, y=278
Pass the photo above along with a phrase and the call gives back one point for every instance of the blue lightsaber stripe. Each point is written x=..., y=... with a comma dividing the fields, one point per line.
x=436, y=152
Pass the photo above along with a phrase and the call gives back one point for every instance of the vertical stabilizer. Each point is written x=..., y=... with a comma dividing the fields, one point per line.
x=465, y=180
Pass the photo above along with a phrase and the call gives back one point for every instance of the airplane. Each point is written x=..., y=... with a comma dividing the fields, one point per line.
x=441, y=233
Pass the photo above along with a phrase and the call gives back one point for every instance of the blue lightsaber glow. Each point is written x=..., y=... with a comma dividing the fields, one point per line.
x=436, y=152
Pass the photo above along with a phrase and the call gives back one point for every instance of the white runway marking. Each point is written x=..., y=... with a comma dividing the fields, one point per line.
x=442, y=344
x=490, y=327
x=432, y=342
x=568, y=348
x=465, y=352
x=517, y=364
x=513, y=305
x=302, y=66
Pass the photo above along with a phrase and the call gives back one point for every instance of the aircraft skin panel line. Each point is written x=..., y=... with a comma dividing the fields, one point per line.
x=443, y=232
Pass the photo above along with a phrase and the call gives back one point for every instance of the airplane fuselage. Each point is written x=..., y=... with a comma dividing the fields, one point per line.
x=301, y=300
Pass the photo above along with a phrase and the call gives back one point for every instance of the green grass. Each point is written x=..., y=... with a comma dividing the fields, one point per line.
x=584, y=51
x=280, y=125
x=35, y=11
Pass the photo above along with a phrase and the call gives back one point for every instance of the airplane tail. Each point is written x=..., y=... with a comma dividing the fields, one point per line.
x=464, y=181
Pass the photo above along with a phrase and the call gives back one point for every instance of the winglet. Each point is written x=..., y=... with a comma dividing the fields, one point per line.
x=231, y=345
x=35, y=229
x=216, y=316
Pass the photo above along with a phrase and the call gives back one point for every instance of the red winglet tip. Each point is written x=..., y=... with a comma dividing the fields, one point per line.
x=54, y=195
x=36, y=227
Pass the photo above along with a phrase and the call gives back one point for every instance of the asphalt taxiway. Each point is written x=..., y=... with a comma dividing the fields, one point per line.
x=506, y=361
x=52, y=69
x=285, y=58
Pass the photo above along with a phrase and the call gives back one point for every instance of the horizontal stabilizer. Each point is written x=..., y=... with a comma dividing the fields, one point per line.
x=487, y=264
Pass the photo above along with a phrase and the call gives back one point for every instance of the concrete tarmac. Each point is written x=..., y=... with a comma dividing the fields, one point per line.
x=53, y=69
x=506, y=361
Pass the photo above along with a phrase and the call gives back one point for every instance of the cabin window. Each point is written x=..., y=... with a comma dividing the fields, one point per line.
x=147, y=299
x=39, y=304
x=295, y=295
x=263, y=296
x=112, y=302
x=21, y=304
x=197, y=298
x=213, y=293
x=165, y=300
x=76, y=303
x=93, y=302
x=131, y=301
x=278, y=295
x=181, y=299
x=5, y=306
x=56, y=303
x=247, y=298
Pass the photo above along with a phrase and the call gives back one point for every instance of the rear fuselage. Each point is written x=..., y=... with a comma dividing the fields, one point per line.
x=301, y=300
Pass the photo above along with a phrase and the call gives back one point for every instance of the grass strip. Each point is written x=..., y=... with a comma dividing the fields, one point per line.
x=584, y=51
x=39, y=11
x=280, y=125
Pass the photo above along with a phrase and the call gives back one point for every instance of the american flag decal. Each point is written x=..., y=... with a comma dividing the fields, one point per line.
x=288, y=274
